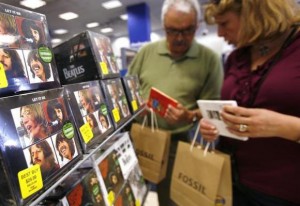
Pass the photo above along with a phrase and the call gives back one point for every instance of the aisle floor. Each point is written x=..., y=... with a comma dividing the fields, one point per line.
x=151, y=199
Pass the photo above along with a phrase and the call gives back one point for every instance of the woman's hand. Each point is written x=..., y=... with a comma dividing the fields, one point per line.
x=253, y=123
x=208, y=131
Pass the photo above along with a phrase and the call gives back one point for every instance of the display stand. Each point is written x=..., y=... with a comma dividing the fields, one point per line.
x=79, y=163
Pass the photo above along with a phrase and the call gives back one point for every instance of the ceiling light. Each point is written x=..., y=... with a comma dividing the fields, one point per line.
x=68, y=16
x=111, y=4
x=60, y=31
x=92, y=24
x=55, y=41
x=32, y=4
x=124, y=17
x=106, y=30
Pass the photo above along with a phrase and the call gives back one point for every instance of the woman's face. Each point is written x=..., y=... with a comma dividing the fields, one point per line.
x=5, y=59
x=35, y=34
x=228, y=26
x=33, y=128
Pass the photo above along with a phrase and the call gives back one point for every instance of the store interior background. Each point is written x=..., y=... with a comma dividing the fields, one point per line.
x=92, y=11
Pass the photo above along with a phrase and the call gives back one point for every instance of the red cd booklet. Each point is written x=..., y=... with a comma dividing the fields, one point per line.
x=159, y=101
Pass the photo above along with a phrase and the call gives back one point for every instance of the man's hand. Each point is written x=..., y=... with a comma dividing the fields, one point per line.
x=181, y=115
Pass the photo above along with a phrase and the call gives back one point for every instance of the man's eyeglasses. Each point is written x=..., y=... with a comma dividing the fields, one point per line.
x=185, y=32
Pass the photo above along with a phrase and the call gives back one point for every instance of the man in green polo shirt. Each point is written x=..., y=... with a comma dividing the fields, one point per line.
x=181, y=68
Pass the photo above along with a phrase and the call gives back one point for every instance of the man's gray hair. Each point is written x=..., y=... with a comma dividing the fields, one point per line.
x=181, y=5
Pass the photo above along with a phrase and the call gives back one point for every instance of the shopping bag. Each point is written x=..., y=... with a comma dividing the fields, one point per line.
x=201, y=177
x=152, y=149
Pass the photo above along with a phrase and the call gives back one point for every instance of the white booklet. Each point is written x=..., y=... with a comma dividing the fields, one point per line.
x=210, y=110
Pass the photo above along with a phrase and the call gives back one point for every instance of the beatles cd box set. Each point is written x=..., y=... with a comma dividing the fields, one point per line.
x=85, y=57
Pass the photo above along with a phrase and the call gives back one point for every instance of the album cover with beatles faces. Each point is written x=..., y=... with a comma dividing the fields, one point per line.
x=26, y=57
x=87, y=56
x=117, y=101
x=114, y=166
x=133, y=92
x=137, y=184
x=86, y=192
x=91, y=113
x=81, y=187
x=135, y=189
x=38, y=142
x=103, y=51
x=126, y=197
x=110, y=175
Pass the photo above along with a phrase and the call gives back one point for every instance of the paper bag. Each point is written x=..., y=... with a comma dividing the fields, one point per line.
x=201, y=178
x=152, y=149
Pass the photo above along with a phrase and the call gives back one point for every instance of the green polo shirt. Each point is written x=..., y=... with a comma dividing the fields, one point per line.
x=197, y=75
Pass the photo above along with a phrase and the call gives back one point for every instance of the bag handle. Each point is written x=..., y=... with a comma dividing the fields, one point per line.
x=154, y=123
x=201, y=142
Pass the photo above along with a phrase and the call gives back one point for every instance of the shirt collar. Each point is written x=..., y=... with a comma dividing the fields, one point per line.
x=191, y=53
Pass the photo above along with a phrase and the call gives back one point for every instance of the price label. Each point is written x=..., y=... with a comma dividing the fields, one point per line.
x=3, y=79
x=116, y=114
x=137, y=203
x=134, y=105
x=86, y=132
x=30, y=180
x=111, y=197
x=104, y=69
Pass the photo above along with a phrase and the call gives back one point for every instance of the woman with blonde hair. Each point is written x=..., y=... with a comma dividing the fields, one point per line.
x=263, y=75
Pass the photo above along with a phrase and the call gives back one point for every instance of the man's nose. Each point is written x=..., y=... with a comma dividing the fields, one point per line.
x=179, y=36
